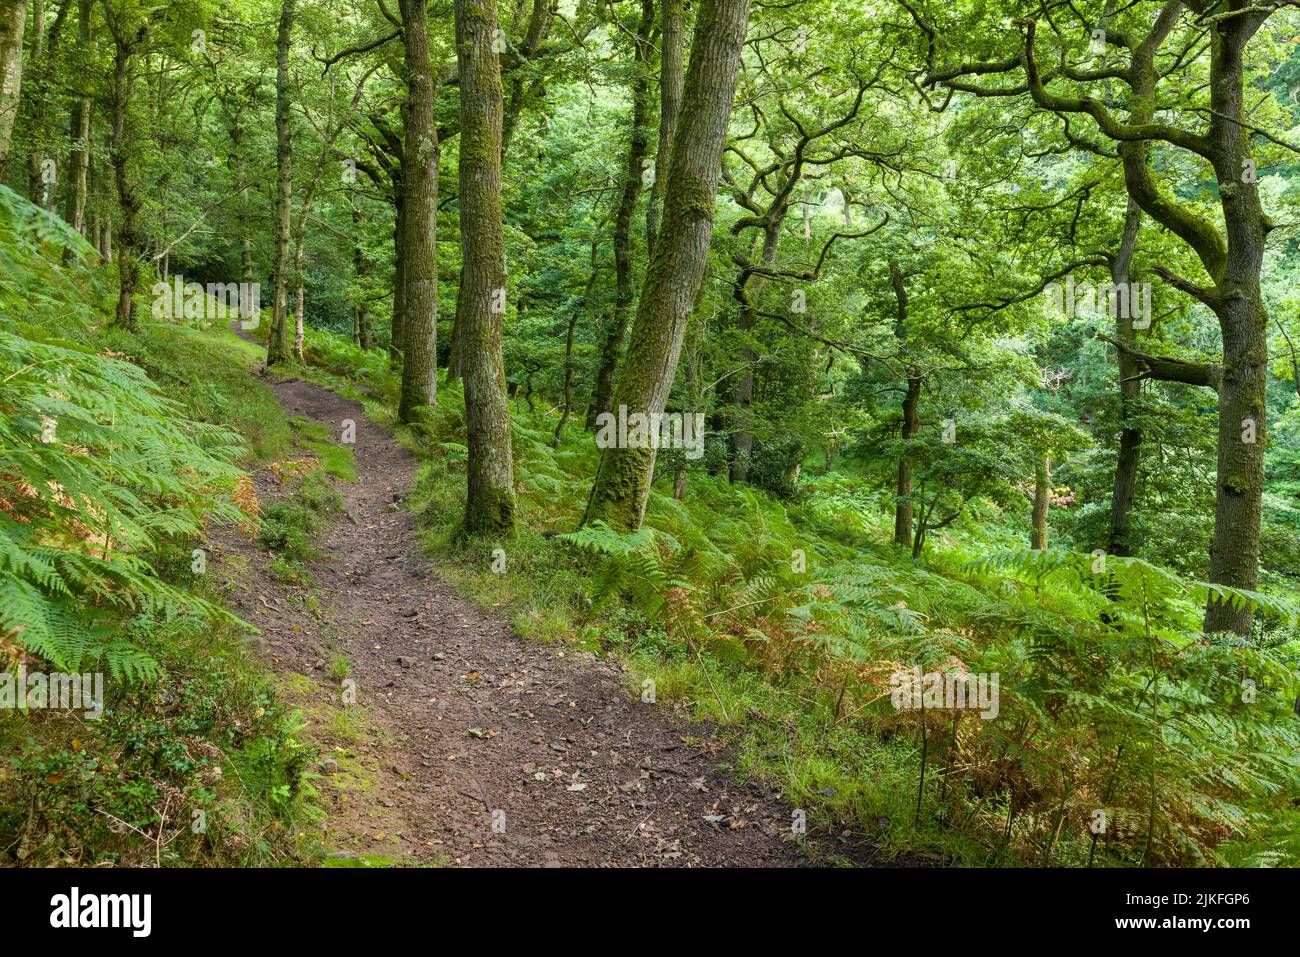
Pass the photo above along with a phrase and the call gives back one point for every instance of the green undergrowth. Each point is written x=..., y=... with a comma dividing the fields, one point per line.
x=292, y=523
x=120, y=452
x=1122, y=735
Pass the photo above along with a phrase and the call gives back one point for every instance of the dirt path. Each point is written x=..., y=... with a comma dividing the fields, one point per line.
x=466, y=725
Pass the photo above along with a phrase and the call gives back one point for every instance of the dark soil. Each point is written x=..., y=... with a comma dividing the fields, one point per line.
x=467, y=725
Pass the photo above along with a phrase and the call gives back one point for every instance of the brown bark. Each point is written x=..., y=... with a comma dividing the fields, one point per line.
x=490, y=498
x=676, y=271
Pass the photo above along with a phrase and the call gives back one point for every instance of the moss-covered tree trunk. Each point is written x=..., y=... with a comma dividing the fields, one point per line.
x=1233, y=260
x=299, y=298
x=43, y=57
x=1234, y=551
x=1243, y=321
x=78, y=165
x=633, y=174
x=362, y=319
x=490, y=499
x=567, y=400
x=277, y=348
x=911, y=425
x=13, y=23
x=671, y=76
x=420, y=221
x=388, y=174
x=1130, y=394
x=126, y=39
x=37, y=96
x=903, y=506
x=399, y=278
x=676, y=270
x=79, y=134
x=1042, y=500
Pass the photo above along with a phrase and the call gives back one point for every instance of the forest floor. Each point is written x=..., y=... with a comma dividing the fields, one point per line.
x=466, y=745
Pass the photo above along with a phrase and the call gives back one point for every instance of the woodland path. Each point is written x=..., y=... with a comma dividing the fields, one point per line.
x=463, y=718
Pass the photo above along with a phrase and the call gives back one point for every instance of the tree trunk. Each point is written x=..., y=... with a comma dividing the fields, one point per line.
x=420, y=221
x=748, y=290
x=39, y=191
x=128, y=238
x=1243, y=321
x=247, y=273
x=490, y=499
x=13, y=23
x=363, y=322
x=1130, y=392
x=399, y=278
x=78, y=165
x=632, y=177
x=903, y=507
x=1042, y=500
x=566, y=402
x=911, y=425
x=568, y=343
x=693, y=402
x=1243, y=428
x=676, y=272
x=671, y=72
x=277, y=348
x=453, y=355
x=918, y=540
x=298, y=299
x=1233, y=259
x=538, y=23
